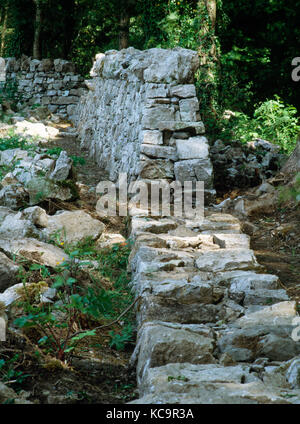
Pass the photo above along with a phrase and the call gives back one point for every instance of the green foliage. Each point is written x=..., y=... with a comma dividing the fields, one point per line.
x=78, y=160
x=290, y=193
x=9, y=93
x=55, y=151
x=272, y=120
x=9, y=371
x=13, y=141
x=119, y=341
x=56, y=321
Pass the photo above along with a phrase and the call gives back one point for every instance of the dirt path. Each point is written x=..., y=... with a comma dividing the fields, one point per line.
x=277, y=246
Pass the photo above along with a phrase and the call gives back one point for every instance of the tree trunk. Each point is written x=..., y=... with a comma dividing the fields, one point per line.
x=124, y=30
x=3, y=32
x=37, y=31
x=292, y=166
x=208, y=53
x=207, y=49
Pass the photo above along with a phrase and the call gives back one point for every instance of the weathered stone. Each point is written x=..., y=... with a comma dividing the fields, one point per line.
x=109, y=240
x=213, y=223
x=183, y=91
x=162, y=343
x=198, y=127
x=63, y=167
x=12, y=155
x=189, y=109
x=227, y=260
x=280, y=314
x=17, y=225
x=40, y=189
x=64, y=100
x=248, y=343
x=293, y=373
x=37, y=216
x=245, y=280
x=193, y=148
x=13, y=196
x=8, y=272
x=152, y=137
x=232, y=241
x=35, y=251
x=148, y=259
x=154, y=115
x=156, y=169
x=74, y=226
x=35, y=130
x=194, y=170
x=264, y=297
x=159, y=151
x=208, y=384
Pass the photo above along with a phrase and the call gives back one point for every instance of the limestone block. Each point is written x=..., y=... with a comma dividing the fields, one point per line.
x=194, y=170
x=161, y=343
x=227, y=260
x=164, y=152
x=193, y=148
x=152, y=137
x=154, y=115
x=74, y=226
x=183, y=90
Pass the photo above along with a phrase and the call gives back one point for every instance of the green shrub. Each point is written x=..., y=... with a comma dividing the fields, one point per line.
x=9, y=93
x=58, y=322
x=272, y=120
x=290, y=193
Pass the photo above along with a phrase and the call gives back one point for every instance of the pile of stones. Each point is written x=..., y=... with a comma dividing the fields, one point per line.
x=238, y=165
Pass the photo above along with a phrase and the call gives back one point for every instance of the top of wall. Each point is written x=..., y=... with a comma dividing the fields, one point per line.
x=32, y=65
x=176, y=65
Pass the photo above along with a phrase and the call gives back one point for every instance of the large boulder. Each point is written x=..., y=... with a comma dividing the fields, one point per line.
x=74, y=226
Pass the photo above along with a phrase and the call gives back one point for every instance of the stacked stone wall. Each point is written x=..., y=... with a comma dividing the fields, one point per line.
x=141, y=116
x=47, y=82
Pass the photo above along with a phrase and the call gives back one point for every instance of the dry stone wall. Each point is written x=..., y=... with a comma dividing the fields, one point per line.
x=51, y=83
x=141, y=116
x=213, y=327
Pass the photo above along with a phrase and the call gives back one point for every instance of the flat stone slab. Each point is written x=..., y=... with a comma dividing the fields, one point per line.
x=193, y=148
x=209, y=384
x=280, y=314
x=148, y=259
x=35, y=251
x=232, y=241
x=227, y=260
x=74, y=226
x=160, y=343
x=160, y=226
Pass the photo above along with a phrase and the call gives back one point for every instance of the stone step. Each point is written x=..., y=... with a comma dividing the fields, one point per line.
x=209, y=384
x=227, y=260
x=160, y=343
x=202, y=317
